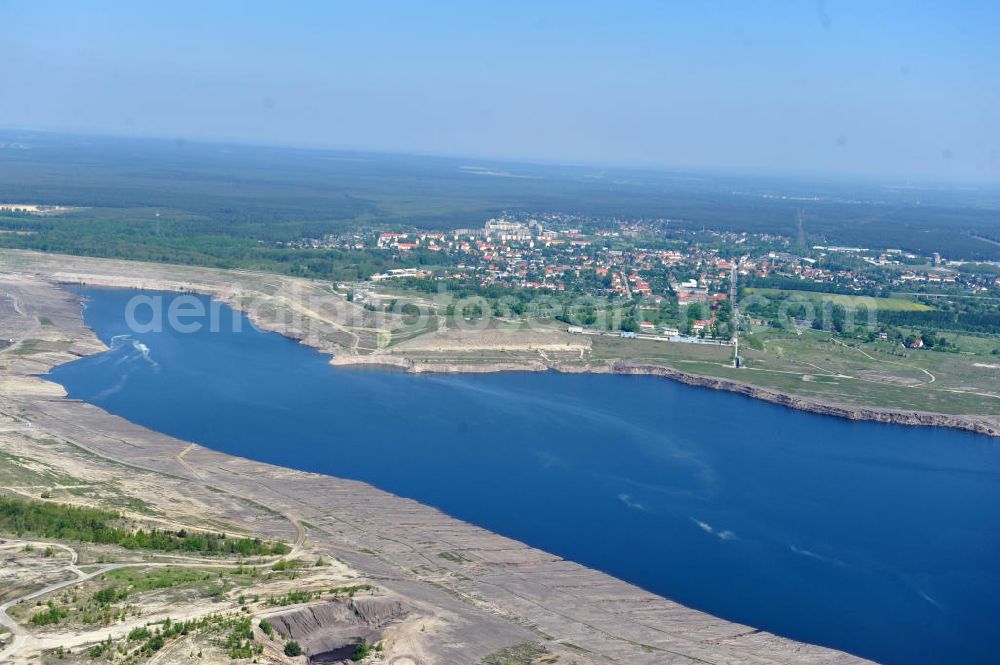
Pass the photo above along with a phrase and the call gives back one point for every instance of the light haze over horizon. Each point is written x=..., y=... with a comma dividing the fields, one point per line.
x=891, y=89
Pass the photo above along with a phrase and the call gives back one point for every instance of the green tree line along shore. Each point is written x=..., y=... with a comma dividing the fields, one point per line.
x=92, y=525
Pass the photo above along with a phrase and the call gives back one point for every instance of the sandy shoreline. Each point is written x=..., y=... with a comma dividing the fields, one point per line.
x=977, y=424
x=319, y=329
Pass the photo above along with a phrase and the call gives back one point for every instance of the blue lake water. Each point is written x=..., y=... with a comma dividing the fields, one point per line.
x=880, y=540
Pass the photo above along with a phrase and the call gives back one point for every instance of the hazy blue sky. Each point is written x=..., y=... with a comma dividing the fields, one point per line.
x=895, y=89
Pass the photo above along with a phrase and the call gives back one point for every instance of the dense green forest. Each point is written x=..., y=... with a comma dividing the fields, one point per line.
x=226, y=205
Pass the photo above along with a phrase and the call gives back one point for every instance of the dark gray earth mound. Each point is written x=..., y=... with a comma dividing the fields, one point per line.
x=330, y=632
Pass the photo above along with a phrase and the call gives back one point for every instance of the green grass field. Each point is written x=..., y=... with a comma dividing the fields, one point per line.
x=817, y=365
x=856, y=302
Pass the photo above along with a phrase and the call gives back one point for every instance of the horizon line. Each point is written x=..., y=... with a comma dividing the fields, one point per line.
x=844, y=177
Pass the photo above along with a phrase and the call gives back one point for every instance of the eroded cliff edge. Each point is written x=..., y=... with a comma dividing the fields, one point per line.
x=978, y=424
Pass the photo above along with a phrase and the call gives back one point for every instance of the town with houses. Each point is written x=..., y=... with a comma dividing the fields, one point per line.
x=650, y=261
x=532, y=255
